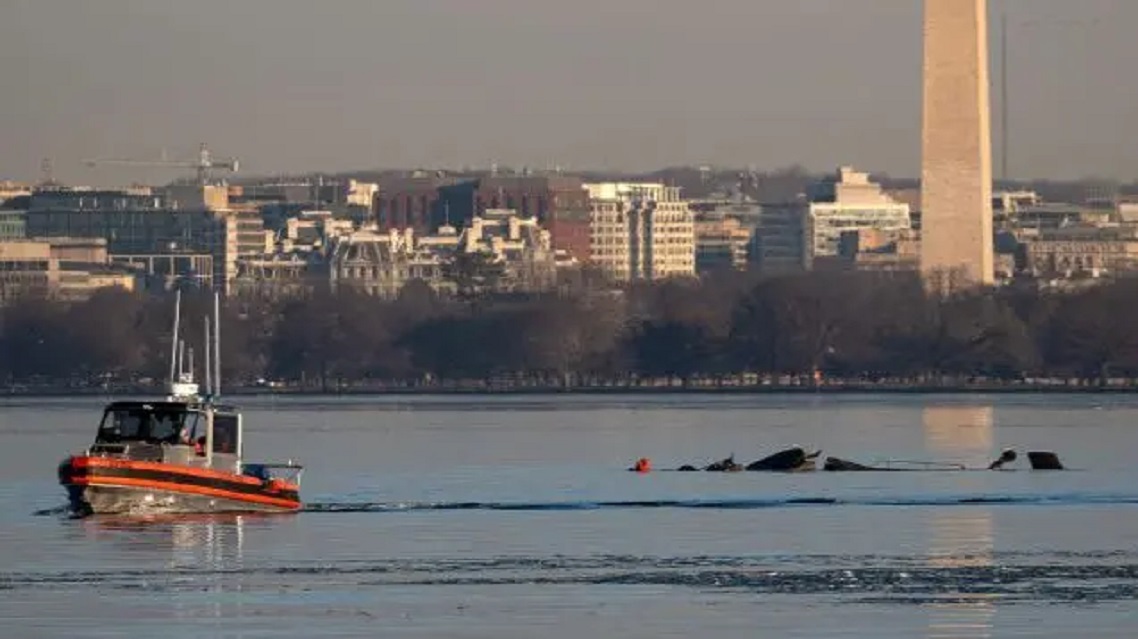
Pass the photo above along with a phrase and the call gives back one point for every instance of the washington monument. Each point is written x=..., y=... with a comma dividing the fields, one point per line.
x=956, y=141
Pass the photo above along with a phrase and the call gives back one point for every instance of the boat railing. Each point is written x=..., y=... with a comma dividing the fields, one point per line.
x=291, y=471
x=104, y=450
x=141, y=451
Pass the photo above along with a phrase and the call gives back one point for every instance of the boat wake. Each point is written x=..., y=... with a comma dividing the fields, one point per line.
x=1075, y=499
x=1086, y=577
x=723, y=504
x=58, y=511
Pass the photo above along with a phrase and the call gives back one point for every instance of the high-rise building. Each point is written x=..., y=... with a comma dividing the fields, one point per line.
x=186, y=234
x=808, y=232
x=956, y=173
x=720, y=244
x=641, y=231
x=849, y=201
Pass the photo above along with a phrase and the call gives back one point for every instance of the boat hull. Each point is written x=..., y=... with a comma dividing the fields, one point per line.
x=99, y=485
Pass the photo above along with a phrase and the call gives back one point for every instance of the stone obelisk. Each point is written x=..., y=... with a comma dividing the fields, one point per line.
x=956, y=140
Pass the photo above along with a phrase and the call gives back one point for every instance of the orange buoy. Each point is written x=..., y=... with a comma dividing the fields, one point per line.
x=643, y=465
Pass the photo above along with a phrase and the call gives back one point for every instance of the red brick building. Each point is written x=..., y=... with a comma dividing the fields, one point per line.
x=560, y=203
x=411, y=202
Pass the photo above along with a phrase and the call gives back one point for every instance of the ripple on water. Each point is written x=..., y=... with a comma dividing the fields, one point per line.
x=1011, y=577
x=727, y=504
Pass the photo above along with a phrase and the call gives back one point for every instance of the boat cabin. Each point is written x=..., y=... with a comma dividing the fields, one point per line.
x=172, y=432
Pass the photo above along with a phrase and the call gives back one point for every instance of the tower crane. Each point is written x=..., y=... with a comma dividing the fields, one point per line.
x=204, y=164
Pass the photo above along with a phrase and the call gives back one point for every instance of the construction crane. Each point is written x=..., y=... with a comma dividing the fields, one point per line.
x=204, y=164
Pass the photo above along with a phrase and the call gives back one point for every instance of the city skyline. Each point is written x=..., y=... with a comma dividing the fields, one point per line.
x=348, y=85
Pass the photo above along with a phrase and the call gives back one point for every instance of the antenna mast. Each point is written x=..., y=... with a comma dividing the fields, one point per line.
x=47, y=172
x=174, y=339
x=217, y=344
x=208, y=371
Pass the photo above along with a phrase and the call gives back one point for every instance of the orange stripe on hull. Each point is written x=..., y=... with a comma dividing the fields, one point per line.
x=131, y=482
x=108, y=462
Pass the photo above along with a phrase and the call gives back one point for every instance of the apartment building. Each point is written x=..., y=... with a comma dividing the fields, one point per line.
x=640, y=231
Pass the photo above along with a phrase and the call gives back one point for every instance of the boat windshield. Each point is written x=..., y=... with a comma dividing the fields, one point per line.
x=151, y=423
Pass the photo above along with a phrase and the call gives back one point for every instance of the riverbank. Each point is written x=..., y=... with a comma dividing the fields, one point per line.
x=500, y=387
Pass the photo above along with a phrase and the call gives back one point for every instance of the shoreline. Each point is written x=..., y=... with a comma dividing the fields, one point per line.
x=511, y=390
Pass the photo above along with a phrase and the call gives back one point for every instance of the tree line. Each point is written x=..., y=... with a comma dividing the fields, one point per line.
x=864, y=326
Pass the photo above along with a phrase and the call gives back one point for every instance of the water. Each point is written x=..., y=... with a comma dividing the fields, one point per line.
x=514, y=517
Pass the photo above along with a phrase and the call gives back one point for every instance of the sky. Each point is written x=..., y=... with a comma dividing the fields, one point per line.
x=298, y=85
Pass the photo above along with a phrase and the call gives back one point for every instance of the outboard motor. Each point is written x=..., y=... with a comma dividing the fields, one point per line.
x=1044, y=460
x=63, y=471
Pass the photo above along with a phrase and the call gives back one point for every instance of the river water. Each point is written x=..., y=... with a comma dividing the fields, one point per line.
x=482, y=516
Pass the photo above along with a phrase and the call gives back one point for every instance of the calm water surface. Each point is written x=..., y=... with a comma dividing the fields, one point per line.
x=513, y=517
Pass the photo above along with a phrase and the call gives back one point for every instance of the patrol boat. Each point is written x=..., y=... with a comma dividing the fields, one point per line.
x=182, y=454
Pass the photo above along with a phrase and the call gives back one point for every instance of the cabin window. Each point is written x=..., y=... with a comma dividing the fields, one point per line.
x=122, y=425
x=165, y=426
x=225, y=434
x=147, y=423
x=193, y=426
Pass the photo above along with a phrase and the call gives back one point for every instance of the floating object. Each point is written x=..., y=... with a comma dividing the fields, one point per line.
x=642, y=465
x=725, y=466
x=797, y=460
x=1040, y=460
x=1044, y=460
x=789, y=460
x=1006, y=457
x=836, y=464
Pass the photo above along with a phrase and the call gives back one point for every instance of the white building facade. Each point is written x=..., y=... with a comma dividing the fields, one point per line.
x=381, y=263
x=850, y=202
x=641, y=231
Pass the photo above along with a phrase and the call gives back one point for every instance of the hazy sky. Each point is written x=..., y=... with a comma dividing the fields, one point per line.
x=294, y=85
